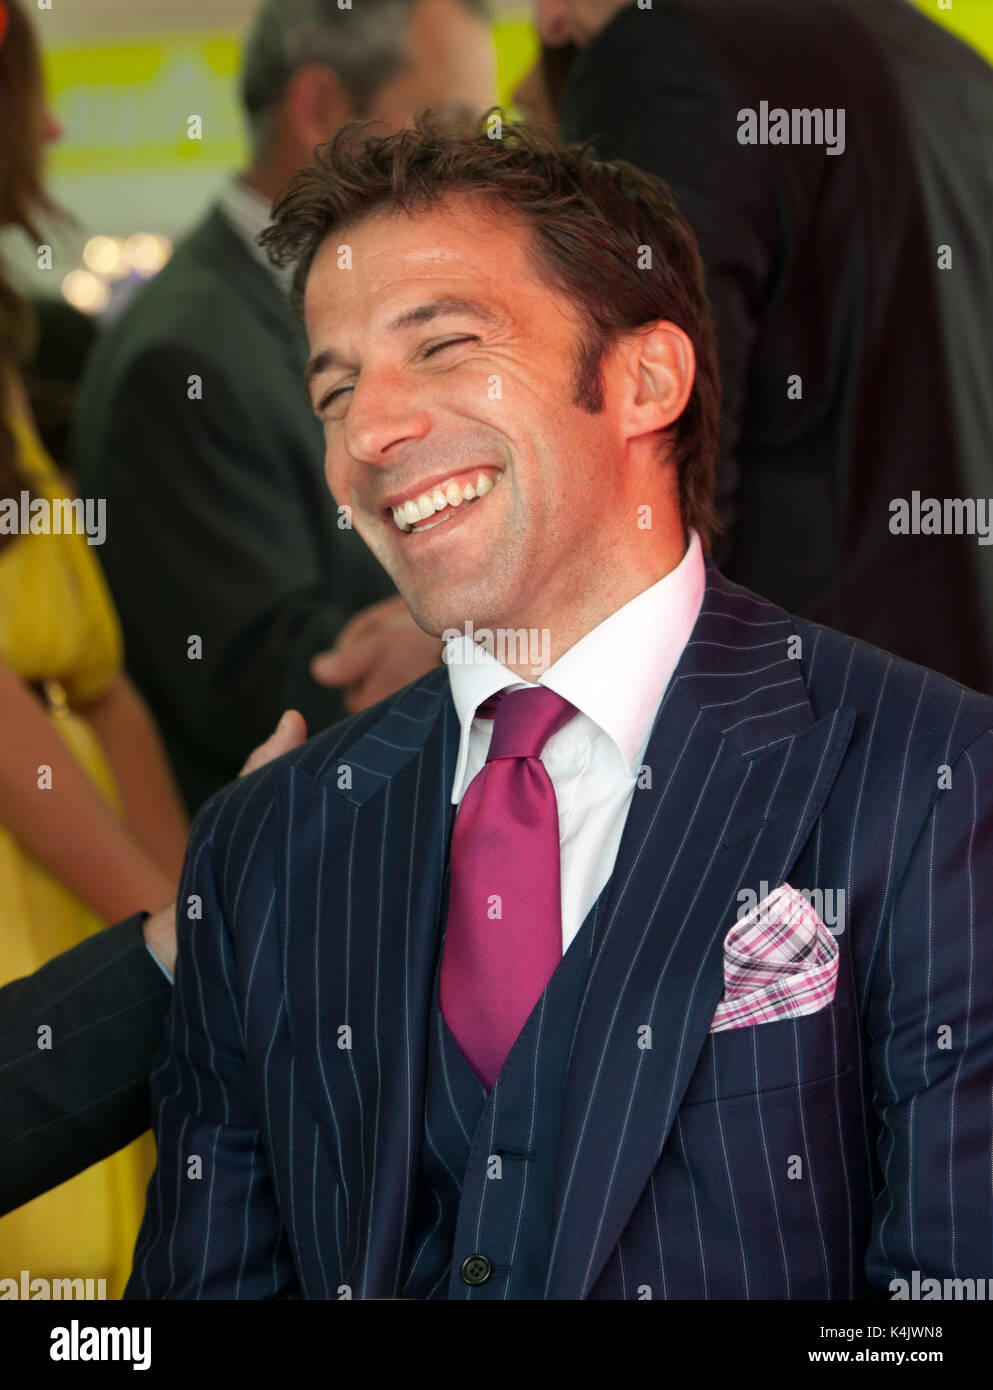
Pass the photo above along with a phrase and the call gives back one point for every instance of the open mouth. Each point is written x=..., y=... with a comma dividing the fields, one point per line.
x=441, y=503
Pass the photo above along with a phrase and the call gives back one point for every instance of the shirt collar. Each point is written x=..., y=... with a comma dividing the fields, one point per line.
x=248, y=212
x=616, y=674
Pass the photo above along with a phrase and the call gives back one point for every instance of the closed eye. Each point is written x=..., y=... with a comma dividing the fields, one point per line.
x=325, y=401
x=331, y=396
x=450, y=342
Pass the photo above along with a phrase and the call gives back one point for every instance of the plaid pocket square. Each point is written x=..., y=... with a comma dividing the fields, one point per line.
x=780, y=961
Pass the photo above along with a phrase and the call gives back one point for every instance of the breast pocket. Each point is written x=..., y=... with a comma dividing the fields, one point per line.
x=768, y=1056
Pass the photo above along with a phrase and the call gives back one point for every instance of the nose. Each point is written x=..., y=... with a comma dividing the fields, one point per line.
x=553, y=22
x=383, y=414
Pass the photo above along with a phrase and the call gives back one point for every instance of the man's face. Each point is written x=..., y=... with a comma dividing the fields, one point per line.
x=454, y=367
x=452, y=63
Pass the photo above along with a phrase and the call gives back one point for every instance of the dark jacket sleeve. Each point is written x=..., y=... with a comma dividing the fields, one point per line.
x=930, y=1027
x=77, y=1040
x=222, y=1237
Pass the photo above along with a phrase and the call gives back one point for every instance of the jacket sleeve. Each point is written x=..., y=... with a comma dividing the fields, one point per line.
x=77, y=1040
x=930, y=1027
x=212, y=1227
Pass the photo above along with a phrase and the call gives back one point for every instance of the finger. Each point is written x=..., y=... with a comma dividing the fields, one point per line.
x=337, y=668
x=289, y=733
x=368, y=626
x=356, y=699
x=367, y=693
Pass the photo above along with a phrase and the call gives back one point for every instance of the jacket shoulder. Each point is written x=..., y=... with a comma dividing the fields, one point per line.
x=193, y=292
x=889, y=691
x=247, y=801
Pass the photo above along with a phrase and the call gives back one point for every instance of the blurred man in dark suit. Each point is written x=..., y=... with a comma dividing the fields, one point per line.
x=230, y=565
x=834, y=160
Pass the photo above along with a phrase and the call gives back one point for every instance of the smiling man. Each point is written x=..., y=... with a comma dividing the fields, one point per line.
x=518, y=989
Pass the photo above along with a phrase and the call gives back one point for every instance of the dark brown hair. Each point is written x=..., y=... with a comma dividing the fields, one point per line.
x=593, y=227
x=22, y=105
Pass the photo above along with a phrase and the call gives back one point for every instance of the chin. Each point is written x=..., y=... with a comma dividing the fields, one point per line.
x=439, y=613
x=434, y=617
x=480, y=599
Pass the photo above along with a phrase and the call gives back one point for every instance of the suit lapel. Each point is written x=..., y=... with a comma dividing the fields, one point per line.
x=740, y=766
x=362, y=853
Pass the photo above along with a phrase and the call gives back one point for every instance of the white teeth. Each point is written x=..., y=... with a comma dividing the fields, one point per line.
x=408, y=514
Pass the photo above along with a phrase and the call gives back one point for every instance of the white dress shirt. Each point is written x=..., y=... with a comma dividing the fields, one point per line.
x=615, y=676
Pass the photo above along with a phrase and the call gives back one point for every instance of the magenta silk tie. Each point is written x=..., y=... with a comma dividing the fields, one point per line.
x=504, y=936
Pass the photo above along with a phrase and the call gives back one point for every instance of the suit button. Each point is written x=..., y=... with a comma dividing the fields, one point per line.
x=476, y=1269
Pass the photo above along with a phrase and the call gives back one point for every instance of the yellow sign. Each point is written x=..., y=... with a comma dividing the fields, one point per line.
x=147, y=106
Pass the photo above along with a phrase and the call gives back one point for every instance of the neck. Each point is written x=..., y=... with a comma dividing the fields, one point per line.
x=267, y=178
x=555, y=634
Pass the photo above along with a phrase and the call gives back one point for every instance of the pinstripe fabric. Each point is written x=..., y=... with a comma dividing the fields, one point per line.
x=795, y=1159
x=487, y=1162
x=87, y=1097
x=453, y=1105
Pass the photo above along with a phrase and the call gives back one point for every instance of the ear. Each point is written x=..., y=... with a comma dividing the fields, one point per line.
x=316, y=104
x=662, y=368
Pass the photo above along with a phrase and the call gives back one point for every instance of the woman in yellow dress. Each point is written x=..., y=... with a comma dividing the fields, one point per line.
x=91, y=826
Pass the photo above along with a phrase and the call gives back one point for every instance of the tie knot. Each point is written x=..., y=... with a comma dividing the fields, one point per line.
x=524, y=721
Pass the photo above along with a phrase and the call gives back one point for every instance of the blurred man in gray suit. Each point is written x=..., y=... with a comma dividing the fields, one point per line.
x=230, y=565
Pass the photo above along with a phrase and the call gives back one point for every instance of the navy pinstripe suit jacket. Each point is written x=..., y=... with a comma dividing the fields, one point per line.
x=810, y=1158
